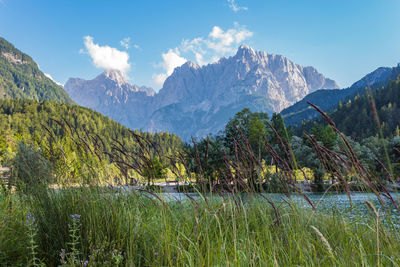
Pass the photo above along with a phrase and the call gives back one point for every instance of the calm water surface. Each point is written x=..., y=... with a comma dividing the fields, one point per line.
x=337, y=203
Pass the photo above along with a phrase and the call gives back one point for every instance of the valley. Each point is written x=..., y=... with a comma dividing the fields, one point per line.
x=211, y=133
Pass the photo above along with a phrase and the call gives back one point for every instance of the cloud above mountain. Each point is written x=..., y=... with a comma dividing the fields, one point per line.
x=171, y=60
x=202, y=50
x=106, y=57
x=217, y=44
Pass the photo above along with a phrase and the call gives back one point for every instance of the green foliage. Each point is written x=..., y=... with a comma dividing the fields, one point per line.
x=208, y=158
x=155, y=170
x=66, y=134
x=324, y=134
x=30, y=169
x=247, y=125
x=20, y=77
x=3, y=148
x=279, y=125
x=222, y=232
x=369, y=114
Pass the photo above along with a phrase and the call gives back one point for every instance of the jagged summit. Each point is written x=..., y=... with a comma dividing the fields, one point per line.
x=190, y=64
x=245, y=50
x=198, y=100
x=115, y=75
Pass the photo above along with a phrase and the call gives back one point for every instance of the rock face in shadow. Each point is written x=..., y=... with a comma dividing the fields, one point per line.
x=198, y=100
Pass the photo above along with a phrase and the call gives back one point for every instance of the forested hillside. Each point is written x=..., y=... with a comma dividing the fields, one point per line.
x=61, y=128
x=328, y=100
x=359, y=116
x=20, y=77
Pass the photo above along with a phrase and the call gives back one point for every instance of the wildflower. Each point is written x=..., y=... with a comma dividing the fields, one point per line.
x=62, y=256
x=30, y=220
x=76, y=216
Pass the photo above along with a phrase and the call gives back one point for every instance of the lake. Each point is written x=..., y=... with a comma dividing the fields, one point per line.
x=330, y=203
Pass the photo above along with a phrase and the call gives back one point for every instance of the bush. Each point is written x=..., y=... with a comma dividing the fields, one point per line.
x=30, y=169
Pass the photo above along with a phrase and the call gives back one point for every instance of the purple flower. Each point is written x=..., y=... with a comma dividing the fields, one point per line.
x=62, y=256
x=75, y=216
x=30, y=219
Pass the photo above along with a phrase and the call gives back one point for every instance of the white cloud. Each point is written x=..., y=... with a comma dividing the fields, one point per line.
x=51, y=78
x=202, y=50
x=125, y=42
x=171, y=60
x=106, y=57
x=137, y=47
x=235, y=7
x=222, y=41
x=218, y=43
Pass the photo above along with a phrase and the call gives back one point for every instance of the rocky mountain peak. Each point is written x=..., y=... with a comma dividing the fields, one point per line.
x=245, y=50
x=189, y=65
x=116, y=76
x=246, y=54
x=198, y=100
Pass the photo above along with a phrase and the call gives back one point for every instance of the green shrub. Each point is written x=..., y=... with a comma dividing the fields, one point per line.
x=30, y=169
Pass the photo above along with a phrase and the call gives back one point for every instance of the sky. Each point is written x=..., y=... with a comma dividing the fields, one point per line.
x=146, y=40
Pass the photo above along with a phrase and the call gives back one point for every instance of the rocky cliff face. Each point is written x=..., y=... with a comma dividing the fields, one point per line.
x=196, y=101
x=110, y=94
x=248, y=72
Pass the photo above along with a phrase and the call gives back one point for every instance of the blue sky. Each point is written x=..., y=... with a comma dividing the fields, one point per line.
x=344, y=40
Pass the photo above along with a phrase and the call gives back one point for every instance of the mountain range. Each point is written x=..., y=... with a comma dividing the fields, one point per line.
x=195, y=100
x=199, y=100
x=33, y=107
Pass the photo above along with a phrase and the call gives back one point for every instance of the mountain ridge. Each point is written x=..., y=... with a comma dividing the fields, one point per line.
x=20, y=77
x=328, y=100
x=198, y=100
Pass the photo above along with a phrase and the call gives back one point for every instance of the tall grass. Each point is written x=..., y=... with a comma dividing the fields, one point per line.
x=131, y=229
x=94, y=226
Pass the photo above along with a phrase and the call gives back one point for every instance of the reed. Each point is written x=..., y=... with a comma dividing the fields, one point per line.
x=92, y=226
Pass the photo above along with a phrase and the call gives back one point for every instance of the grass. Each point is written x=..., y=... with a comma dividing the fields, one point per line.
x=139, y=230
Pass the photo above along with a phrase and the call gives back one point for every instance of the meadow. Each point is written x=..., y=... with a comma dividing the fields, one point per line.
x=93, y=226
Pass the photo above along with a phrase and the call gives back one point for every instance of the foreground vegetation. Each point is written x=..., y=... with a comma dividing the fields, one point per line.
x=93, y=226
